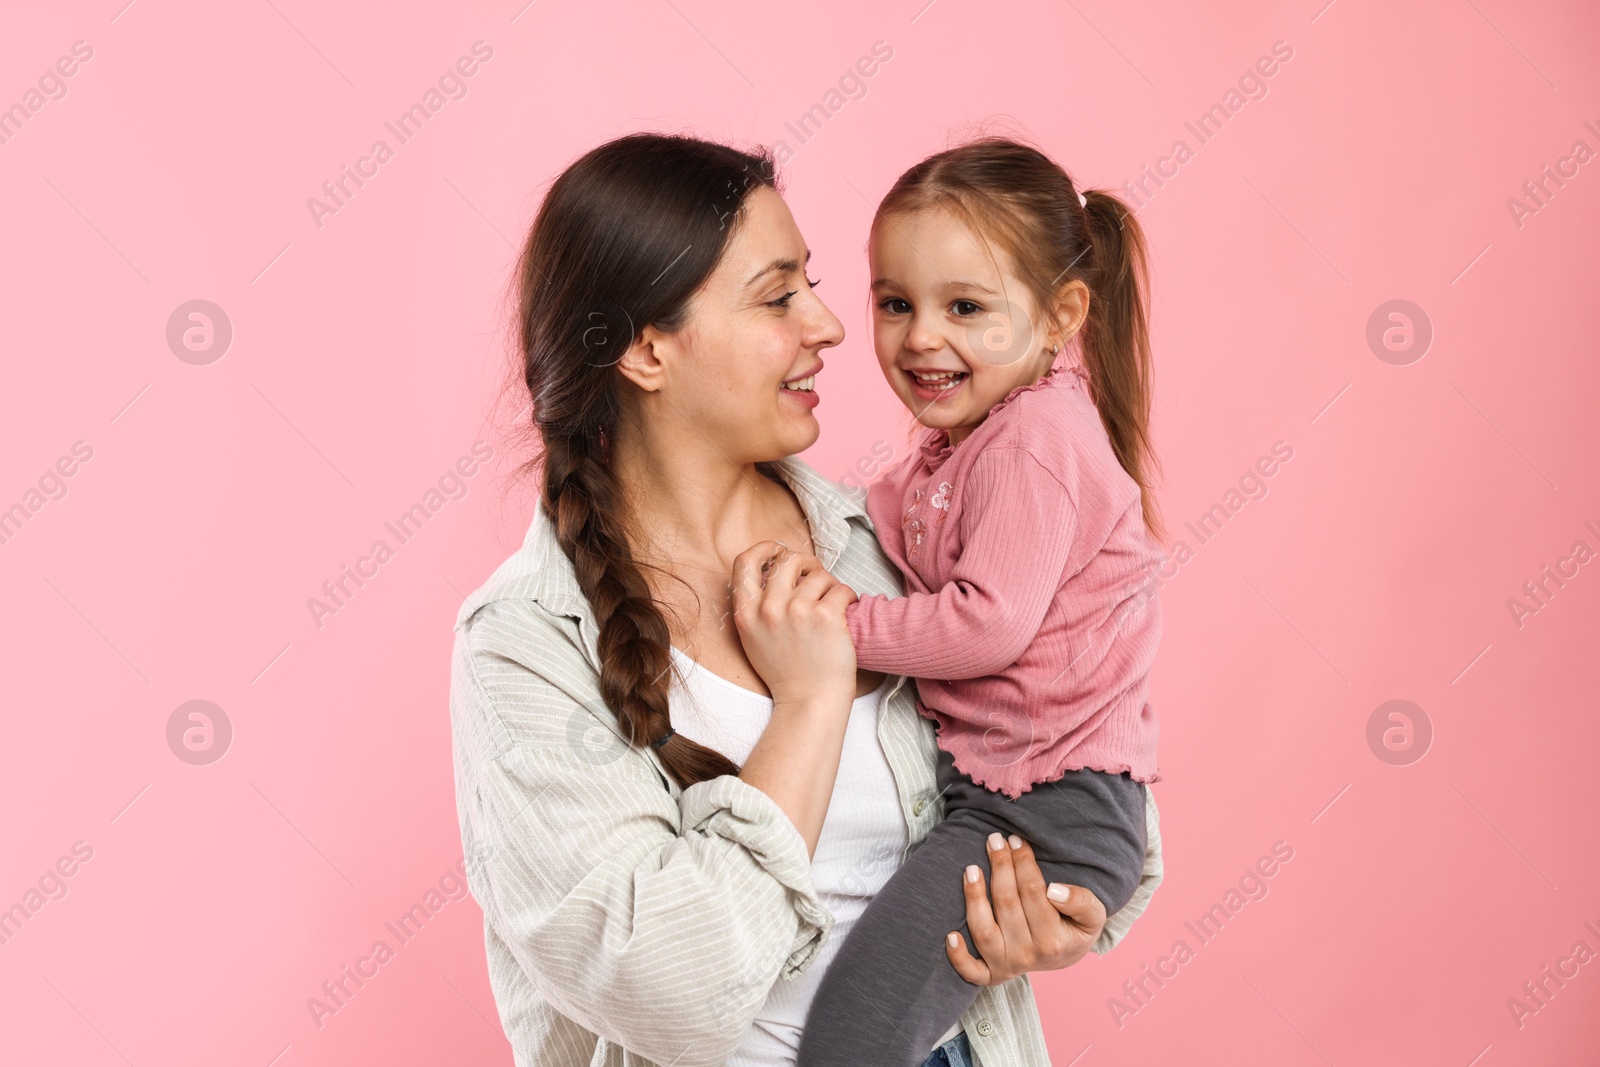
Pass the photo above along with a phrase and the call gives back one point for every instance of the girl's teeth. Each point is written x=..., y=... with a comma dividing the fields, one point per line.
x=804, y=383
x=946, y=379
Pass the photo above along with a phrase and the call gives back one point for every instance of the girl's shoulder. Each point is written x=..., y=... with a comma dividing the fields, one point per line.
x=1056, y=425
x=1054, y=420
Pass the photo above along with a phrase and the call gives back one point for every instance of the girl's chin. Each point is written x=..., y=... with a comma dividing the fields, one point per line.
x=935, y=416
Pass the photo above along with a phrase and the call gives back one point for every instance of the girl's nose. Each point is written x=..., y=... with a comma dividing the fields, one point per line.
x=922, y=338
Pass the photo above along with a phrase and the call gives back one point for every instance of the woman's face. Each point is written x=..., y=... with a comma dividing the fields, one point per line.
x=742, y=369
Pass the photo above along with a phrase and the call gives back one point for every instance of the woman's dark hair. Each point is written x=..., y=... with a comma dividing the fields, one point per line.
x=1022, y=199
x=623, y=239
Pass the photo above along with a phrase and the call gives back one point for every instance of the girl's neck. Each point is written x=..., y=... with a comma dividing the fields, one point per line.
x=957, y=434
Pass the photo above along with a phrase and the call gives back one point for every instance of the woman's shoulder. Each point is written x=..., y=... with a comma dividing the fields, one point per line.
x=537, y=579
x=521, y=640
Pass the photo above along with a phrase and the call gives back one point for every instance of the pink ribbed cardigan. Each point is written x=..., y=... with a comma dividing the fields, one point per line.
x=1030, y=618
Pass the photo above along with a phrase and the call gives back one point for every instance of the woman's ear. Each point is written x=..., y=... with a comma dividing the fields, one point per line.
x=1071, y=311
x=642, y=364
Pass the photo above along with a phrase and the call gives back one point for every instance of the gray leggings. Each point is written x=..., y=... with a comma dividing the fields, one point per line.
x=891, y=991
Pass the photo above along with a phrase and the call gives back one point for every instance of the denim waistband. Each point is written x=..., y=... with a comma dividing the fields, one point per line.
x=953, y=1053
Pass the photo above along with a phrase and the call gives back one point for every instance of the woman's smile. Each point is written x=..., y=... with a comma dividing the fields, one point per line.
x=802, y=389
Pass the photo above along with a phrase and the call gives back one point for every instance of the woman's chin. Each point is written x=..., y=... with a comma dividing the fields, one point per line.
x=800, y=434
x=789, y=431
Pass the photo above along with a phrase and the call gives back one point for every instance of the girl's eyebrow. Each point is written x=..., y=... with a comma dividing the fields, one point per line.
x=955, y=286
x=966, y=286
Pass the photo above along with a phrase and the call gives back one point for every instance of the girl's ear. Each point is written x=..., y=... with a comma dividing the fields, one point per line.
x=642, y=364
x=1071, y=311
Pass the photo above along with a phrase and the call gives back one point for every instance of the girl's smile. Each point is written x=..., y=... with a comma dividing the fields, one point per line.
x=935, y=385
x=955, y=330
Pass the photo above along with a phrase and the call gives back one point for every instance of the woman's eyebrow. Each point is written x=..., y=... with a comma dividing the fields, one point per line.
x=787, y=266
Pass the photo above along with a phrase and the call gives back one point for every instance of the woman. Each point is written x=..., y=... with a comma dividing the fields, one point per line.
x=671, y=896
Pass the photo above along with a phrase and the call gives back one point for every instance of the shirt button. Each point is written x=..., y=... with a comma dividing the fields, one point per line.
x=984, y=1029
x=916, y=809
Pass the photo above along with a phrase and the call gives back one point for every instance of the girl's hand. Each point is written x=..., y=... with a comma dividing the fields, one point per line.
x=1026, y=930
x=789, y=612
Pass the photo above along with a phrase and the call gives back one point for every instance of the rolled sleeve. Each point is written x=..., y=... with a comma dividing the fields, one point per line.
x=656, y=921
x=734, y=811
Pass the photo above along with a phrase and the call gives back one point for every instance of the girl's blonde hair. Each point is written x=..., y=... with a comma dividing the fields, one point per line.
x=1023, y=201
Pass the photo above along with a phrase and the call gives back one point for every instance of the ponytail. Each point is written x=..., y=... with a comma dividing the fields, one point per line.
x=1116, y=341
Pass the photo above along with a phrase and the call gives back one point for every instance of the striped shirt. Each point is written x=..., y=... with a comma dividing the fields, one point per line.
x=629, y=922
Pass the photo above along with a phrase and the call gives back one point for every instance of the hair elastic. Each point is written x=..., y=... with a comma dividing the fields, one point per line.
x=1083, y=201
x=658, y=742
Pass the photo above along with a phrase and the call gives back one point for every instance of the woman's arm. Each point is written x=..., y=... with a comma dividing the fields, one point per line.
x=789, y=612
x=657, y=922
x=1028, y=929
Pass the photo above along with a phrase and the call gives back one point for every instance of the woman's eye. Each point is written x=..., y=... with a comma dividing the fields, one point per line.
x=964, y=308
x=895, y=306
x=782, y=301
x=813, y=284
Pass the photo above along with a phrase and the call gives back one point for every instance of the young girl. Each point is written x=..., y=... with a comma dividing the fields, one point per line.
x=1022, y=524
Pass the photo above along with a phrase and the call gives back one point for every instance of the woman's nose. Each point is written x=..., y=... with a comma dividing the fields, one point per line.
x=824, y=330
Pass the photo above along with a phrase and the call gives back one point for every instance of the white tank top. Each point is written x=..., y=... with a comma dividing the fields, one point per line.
x=862, y=843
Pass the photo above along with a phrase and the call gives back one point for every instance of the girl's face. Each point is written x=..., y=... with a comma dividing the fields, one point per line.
x=955, y=329
x=742, y=369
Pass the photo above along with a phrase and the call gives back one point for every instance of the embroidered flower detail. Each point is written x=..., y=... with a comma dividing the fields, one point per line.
x=941, y=500
x=916, y=532
x=916, y=529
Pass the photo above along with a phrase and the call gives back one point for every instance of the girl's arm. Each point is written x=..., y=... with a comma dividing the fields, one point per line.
x=658, y=922
x=1017, y=525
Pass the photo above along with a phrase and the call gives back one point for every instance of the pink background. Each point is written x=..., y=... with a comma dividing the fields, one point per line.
x=369, y=354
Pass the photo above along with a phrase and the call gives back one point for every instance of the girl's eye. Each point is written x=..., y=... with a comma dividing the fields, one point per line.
x=964, y=308
x=895, y=306
x=813, y=284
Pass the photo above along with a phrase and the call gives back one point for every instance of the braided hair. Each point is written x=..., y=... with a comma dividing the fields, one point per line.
x=622, y=240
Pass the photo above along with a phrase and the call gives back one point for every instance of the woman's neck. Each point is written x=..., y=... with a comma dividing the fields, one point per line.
x=689, y=503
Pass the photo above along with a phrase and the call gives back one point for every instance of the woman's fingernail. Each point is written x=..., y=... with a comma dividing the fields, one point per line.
x=1016, y=842
x=952, y=940
x=996, y=843
x=973, y=873
x=1058, y=893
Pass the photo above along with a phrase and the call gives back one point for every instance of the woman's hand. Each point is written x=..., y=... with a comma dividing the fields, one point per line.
x=789, y=612
x=1027, y=929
